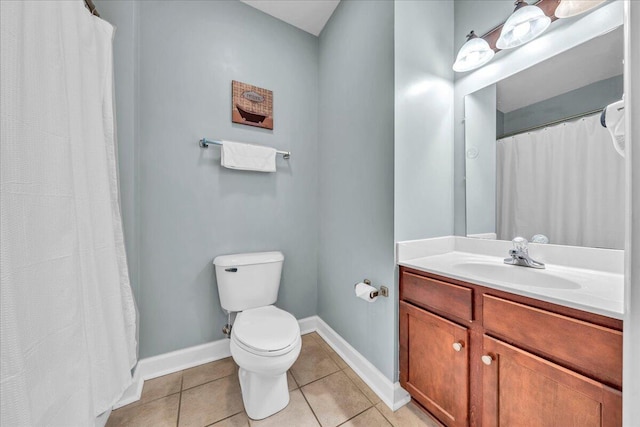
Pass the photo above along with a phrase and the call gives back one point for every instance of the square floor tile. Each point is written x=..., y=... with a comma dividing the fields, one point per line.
x=158, y=413
x=208, y=372
x=369, y=418
x=335, y=399
x=407, y=416
x=210, y=402
x=313, y=363
x=161, y=386
x=334, y=356
x=364, y=388
x=297, y=413
x=311, y=340
x=322, y=342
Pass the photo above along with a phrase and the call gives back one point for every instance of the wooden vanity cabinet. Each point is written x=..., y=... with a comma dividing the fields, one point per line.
x=471, y=355
x=521, y=389
x=436, y=369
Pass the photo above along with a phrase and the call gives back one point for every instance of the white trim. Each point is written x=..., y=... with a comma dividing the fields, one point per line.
x=168, y=363
x=308, y=324
x=391, y=394
x=133, y=393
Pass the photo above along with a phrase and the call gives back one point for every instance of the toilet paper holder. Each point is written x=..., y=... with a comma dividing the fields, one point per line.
x=383, y=291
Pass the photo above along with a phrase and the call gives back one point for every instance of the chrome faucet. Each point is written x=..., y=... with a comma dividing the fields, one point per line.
x=520, y=254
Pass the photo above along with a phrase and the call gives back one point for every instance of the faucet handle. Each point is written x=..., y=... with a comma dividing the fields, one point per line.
x=520, y=244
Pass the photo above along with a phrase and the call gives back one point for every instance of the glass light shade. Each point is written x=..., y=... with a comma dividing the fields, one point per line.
x=569, y=8
x=473, y=54
x=524, y=25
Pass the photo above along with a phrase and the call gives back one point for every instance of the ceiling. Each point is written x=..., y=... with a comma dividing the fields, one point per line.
x=308, y=15
x=595, y=60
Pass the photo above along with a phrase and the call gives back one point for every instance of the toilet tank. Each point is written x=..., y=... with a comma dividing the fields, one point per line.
x=248, y=280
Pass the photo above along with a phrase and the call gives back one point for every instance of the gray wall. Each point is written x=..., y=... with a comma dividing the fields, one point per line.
x=356, y=176
x=334, y=231
x=480, y=16
x=499, y=122
x=587, y=98
x=423, y=119
x=189, y=208
x=124, y=14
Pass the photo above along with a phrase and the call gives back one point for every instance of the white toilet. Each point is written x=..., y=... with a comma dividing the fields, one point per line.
x=265, y=340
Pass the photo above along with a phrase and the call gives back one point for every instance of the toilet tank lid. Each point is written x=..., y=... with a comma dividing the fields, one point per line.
x=248, y=259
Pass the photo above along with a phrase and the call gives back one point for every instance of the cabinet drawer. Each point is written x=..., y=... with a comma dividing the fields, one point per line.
x=593, y=350
x=430, y=293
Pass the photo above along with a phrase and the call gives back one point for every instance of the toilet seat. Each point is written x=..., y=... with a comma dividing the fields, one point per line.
x=266, y=331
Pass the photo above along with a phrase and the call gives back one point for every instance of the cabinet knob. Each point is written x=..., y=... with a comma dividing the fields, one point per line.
x=486, y=359
x=457, y=346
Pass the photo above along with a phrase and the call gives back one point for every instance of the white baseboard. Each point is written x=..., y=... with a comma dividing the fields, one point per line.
x=133, y=393
x=308, y=324
x=391, y=394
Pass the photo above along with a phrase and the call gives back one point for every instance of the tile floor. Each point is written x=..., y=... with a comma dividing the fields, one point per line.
x=324, y=392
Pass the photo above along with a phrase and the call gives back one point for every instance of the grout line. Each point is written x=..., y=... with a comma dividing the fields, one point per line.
x=139, y=402
x=310, y=407
x=360, y=388
x=293, y=378
x=210, y=381
x=230, y=416
x=380, y=412
x=180, y=399
x=318, y=379
x=356, y=415
x=387, y=419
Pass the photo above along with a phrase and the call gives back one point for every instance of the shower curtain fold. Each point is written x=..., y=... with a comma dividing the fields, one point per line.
x=68, y=317
x=564, y=181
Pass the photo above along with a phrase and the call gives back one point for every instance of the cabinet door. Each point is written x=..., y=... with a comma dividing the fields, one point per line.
x=434, y=363
x=521, y=389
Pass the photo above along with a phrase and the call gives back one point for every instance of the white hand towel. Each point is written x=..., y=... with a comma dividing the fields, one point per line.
x=237, y=155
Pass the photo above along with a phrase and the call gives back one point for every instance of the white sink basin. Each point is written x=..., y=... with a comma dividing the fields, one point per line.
x=515, y=275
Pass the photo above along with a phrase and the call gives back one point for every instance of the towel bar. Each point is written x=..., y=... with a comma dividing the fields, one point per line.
x=204, y=143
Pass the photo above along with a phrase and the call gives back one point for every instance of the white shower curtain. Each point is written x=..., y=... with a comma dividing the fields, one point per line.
x=565, y=181
x=68, y=339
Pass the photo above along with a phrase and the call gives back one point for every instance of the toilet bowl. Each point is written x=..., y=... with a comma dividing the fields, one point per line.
x=265, y=342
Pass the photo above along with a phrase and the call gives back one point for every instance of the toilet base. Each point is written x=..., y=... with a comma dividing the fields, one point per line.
x=263, y=395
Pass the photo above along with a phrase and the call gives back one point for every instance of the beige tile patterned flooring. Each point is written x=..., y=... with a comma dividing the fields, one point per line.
x=325, y=392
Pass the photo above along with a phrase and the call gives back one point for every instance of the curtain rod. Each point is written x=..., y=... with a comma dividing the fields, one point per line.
x=555, y=122
x=91, y=7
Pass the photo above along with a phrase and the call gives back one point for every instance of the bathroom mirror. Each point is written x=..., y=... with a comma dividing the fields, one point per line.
x=537, y=160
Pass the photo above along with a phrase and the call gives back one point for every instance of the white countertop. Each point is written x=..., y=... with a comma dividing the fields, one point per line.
x=598, y=290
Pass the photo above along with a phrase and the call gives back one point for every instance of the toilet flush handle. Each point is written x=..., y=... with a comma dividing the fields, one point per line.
x=231, y=270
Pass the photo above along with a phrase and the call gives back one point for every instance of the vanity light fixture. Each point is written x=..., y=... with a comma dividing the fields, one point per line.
x=569, y=8
x=473, y=54
x=525, y=24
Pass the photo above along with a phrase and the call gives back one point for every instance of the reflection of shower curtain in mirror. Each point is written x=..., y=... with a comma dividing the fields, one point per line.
x=564, y=181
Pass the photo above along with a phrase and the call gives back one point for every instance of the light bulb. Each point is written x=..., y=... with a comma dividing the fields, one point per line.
x=525, y=24
x=473, y=54
x=474, y=57
x=569, y=8
x=521, y=29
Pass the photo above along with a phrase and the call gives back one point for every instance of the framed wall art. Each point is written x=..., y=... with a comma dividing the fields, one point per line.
x=251, y=105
